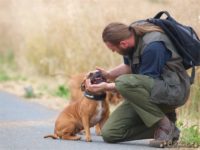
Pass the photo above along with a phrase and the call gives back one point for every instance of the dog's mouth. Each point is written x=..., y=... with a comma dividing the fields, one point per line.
x=95, y=78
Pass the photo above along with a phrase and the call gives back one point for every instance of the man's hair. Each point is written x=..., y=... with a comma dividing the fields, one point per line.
x=116, y=32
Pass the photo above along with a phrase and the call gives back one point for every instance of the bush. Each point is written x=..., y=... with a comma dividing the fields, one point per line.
x=190, y=135
x=62, y=91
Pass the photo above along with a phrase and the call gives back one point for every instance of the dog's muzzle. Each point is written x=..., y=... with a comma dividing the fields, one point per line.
x=96, y=78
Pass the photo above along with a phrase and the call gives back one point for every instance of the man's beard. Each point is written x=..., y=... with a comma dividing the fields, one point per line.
x=126, y=52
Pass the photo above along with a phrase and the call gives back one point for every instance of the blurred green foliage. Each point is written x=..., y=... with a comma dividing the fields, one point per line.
x=7, y=62
x=62, y=91
x=29, y=92
x=190, y=135
x=7, y=57
x=4, y=76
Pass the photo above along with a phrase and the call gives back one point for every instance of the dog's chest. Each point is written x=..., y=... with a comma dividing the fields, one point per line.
x=98, y=114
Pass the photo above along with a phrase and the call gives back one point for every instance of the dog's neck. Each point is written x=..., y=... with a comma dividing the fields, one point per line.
x=95, y=97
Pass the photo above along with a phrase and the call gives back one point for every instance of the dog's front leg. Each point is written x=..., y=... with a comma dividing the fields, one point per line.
x=98, y=129
x=85, y=120
x=104, y=119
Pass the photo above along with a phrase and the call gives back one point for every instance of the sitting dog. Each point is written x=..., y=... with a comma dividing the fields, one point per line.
x=82, y=114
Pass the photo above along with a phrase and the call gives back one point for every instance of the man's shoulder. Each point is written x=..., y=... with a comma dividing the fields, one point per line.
x=153, y=37
x=154, y=47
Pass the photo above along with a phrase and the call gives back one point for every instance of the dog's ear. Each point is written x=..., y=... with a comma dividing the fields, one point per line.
x=83, y=83
x=90, y=75
x=83, y=86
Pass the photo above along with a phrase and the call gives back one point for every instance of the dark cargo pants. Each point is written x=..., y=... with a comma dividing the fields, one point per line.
x=134, y=119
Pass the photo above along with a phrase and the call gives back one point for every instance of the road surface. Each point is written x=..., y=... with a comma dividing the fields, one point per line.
x=23, y=125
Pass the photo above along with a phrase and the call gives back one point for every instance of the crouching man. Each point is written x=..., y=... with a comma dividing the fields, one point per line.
x=152, y=80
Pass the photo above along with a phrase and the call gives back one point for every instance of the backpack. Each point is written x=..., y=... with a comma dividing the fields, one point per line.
x=184, y=39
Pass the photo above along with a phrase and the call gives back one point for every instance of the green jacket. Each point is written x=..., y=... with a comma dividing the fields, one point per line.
x=174, y=86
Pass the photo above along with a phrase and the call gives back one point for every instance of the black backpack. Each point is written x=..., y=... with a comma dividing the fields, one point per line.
x=184, y=39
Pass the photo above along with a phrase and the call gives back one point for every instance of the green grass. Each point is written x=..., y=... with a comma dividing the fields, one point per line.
x=7, y=64
x=190, y=111
x=190, y=135
x=62, y=91
x=19, y=78
x=7, y=59
x=4, y=76
x=7, y=75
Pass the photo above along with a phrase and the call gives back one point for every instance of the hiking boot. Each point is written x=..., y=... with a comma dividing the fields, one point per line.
x=176, y=135
x=172, y=117
x=165, y=134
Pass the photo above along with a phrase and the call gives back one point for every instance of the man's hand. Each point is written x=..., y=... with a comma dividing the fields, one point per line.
x=103, y=72
x=101, y=87
x=95, y=88
x=115, y=72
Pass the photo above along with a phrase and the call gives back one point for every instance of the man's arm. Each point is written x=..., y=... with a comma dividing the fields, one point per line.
x=117, y=71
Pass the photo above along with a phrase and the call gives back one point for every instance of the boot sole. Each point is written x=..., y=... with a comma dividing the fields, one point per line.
x=160, y=144
x=166, y=143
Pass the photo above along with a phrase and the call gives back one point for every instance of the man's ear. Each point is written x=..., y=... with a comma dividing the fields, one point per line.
x=123, y=44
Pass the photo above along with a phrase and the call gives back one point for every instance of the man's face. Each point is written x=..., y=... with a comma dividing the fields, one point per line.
x=120, y=49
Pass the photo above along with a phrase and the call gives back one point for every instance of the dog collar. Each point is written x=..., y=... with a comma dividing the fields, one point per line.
x=95, y=97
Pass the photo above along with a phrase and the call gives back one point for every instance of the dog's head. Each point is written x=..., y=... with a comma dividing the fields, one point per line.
x=95, y=78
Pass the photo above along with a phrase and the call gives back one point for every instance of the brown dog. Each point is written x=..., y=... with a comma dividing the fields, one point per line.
x=82, y=114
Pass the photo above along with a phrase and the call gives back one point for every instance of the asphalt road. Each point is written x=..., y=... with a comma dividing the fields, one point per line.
x=23, y=125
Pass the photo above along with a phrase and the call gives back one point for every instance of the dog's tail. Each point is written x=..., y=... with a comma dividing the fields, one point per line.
x=53, y=136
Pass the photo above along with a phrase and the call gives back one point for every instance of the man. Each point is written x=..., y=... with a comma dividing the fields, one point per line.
x=152, y=81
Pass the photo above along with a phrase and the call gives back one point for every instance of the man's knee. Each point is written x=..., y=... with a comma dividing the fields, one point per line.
x=122, y=83
x=107, y=135
x=126, y=82
x=112, y=135
x=129, y=81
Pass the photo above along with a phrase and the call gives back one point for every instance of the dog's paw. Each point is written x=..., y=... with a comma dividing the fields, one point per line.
x=74, y=138
x=98, y=133
x=77, y=138
x=88, y=139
